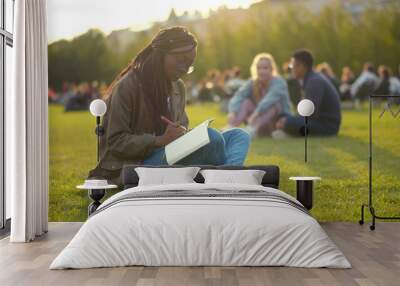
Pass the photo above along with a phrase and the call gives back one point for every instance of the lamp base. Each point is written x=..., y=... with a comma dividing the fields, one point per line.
x=99, y=130
x=96, y=195
x=304, y=193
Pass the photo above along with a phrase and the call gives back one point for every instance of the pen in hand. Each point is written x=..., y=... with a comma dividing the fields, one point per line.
x=173, y=131
x=167, y=121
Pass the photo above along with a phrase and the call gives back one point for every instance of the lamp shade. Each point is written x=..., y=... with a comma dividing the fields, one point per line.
x=98, y=107
x=305, y=107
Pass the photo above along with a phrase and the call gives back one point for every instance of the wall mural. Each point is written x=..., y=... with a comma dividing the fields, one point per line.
x=222, y=84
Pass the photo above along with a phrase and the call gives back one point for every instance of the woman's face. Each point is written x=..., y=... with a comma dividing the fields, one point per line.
x=264, y=70
x=178, y=61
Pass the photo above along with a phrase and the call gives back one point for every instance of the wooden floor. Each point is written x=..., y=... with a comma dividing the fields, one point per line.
x=375, y=257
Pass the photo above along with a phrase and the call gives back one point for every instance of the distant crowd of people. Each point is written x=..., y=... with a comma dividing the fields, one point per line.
x=266, y=102
x=370, y=81
x=216, y=86
x=76, y=97
x=219, y=86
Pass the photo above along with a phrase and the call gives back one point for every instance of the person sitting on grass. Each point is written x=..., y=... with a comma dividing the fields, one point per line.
x=261, y=100
x=388, y=84
x=144, y=93
x=365, y=85
x=317, y=88
x=326, y=69
x=347, y=80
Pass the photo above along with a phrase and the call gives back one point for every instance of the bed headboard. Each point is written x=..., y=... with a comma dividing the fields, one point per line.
x=271, y=178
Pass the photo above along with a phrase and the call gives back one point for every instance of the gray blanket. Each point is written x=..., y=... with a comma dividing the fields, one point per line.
x=206, y=194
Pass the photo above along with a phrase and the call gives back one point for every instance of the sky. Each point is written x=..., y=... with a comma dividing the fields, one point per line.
x=69, y=18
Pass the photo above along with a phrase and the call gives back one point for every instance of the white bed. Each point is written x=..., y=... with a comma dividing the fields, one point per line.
x=206, y=230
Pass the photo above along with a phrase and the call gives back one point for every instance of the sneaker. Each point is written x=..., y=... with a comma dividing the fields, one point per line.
x=279, y=134
x=252, y=131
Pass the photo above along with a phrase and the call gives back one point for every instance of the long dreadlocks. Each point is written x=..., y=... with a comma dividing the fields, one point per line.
x=149, y=65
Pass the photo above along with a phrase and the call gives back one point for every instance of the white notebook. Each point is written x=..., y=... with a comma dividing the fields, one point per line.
x=188, y=143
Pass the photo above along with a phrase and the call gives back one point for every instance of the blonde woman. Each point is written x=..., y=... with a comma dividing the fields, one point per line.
x=262, y=100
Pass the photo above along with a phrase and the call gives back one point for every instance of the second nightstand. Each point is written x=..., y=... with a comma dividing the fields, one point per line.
x=304, y=190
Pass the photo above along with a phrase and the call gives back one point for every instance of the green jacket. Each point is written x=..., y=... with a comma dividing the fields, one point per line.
x=129, y=134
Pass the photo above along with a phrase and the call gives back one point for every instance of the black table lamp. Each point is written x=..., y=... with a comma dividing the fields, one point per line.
x=304, y=190
x=305, y=108
x=98, y=108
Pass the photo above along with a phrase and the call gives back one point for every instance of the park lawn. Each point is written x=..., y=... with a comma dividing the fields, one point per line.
x=342, y=162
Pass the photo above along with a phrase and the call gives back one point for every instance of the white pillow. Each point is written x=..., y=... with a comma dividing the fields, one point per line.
x=248, y=177
x=165, y=176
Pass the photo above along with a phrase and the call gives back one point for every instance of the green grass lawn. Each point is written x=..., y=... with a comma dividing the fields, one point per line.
x=342, y=162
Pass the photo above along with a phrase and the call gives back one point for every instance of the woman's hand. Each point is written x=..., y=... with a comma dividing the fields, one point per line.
x=173, y=131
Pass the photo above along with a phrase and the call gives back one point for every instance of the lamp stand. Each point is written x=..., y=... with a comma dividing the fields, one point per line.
x=305, y=137
x=99, y=132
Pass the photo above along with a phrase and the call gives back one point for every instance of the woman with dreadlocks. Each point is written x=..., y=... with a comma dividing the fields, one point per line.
x=147, y=90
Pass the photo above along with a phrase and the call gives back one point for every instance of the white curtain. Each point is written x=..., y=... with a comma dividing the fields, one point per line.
x=27, y=124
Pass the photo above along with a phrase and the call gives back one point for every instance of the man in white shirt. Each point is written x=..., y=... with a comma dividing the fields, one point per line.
x=365, y=84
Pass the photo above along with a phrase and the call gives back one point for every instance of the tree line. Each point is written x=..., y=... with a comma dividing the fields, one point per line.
x=334, y=34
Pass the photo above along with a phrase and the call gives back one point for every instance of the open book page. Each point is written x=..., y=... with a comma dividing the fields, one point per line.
x=188, y=143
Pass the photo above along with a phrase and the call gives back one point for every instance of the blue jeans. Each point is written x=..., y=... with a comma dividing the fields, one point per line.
x=227, y=148
x=295, y=126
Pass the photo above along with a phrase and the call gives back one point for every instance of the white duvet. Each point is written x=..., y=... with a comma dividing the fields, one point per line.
x=200, y=231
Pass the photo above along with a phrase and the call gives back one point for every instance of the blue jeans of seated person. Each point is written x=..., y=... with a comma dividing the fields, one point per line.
x=295, y=126
x=227, y=148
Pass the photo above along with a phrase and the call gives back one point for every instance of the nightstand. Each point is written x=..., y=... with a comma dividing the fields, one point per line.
x=304, y=190
x=95, y=193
